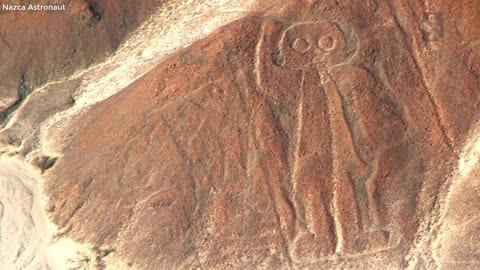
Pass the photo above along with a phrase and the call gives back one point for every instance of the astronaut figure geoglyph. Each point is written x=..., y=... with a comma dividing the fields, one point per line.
x=335, y=155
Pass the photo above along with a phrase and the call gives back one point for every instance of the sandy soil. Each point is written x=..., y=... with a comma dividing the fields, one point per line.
x=24, y=235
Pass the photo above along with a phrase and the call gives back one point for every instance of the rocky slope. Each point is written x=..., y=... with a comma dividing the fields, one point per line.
x=304, y=134
x=37, y=47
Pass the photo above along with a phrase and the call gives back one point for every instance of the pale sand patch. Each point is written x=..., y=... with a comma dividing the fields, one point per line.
x=460, y=214
x=471, y=154
x=437, y=229
x=26, y=234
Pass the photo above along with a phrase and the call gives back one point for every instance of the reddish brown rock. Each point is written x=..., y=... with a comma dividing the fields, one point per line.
x=320, y=137
x=39, y=46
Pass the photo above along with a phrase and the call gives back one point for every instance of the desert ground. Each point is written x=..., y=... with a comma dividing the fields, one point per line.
x=218, y=134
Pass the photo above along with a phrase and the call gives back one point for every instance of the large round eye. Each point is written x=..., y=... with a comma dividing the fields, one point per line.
x=326, y=43
x=301, y=45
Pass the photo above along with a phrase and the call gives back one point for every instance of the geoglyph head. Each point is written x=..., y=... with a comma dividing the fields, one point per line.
x=315, y=43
